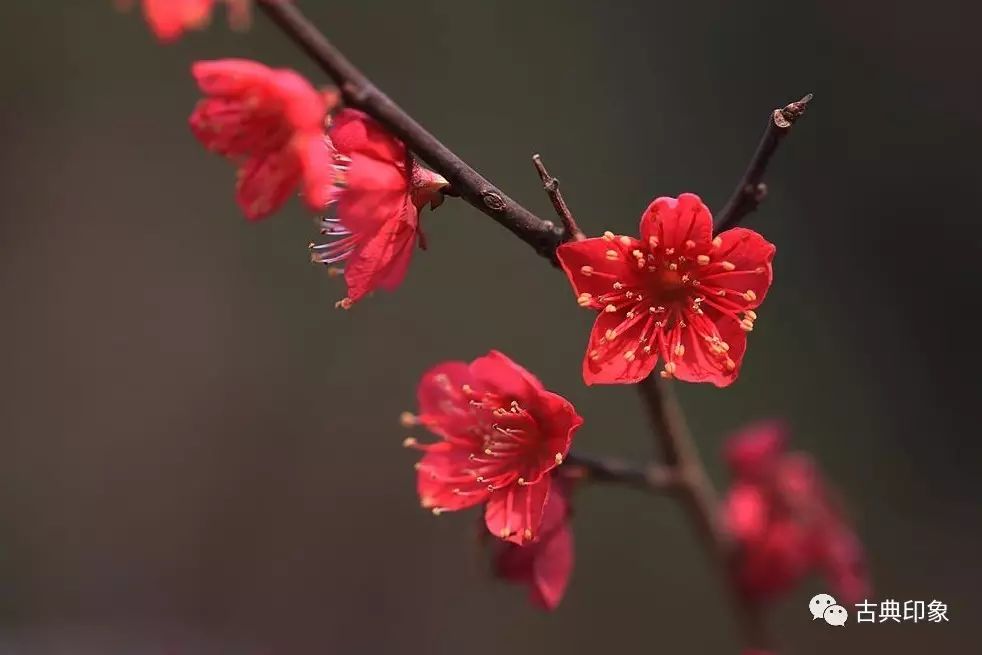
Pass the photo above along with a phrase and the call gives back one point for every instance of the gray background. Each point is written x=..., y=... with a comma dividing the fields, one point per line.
x=199, y=454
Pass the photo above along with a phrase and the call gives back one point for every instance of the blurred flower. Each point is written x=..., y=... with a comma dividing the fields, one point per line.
x=169, y=19
x=785, y=520
x=545, y=564
x=676, y=293
x=501, y=435
x=270, y=122
x=379, y=199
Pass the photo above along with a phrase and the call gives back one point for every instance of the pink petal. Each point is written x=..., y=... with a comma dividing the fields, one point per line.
x=515, y=513
x=266, y=182
x=574, y=255
x=674, y=221
x=613, y=365
x=381, y=259
x=353, y=132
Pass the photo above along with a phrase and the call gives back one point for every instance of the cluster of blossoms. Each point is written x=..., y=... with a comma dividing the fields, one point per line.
x=280, y=132
x=786, y=521
x=501, y=438
x=676, y=295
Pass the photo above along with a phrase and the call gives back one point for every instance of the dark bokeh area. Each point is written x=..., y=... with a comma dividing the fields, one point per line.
x=201, y=455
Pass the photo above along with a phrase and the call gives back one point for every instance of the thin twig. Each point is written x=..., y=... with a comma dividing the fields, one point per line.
x=551, y=185
x=652, y=477
x=359, y=92
x=684, y=471
x=751, y=190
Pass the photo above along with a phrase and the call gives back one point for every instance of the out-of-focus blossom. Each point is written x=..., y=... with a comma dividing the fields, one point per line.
x=170, y=19
x=786, y=521
x=269, y=122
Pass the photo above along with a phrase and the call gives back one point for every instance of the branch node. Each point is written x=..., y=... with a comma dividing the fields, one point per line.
x=356, y=94
x=493, y=201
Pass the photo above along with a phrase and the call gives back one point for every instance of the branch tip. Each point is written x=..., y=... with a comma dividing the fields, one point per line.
x=751, y=190
x=572, y=231
x=787, y=115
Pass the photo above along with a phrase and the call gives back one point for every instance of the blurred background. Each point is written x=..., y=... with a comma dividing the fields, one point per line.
x=201, y=455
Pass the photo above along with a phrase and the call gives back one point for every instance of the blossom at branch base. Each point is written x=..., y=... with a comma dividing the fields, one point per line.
x=786, y=521
x=270, y=122
x=500, y=435
x=169, y=19
x=676, y=295
x=546, y=564
x=376, y=219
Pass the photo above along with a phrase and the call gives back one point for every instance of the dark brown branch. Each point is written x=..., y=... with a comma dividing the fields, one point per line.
x=751, y=190
x=359, y=92
x=551, y=185
x=652, y=477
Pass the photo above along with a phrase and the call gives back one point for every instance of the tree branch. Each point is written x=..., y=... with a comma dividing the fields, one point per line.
x=683, y=471
x=693, y=486
x=653, y=478
x=751, y=190
x=359, y=92
x=551, y=185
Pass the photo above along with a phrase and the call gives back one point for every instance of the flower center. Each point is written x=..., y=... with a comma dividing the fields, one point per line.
x=668, y=286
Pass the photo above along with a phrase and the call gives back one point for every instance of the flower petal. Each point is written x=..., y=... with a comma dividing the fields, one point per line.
x=751, y=256
x=745, y=511
x=229, y=77
x=559, y=421
x=320, y=173
x=169, y=19
x=553, y=562
x=374, y=192
x=673, y=221
x=353, y=132
x=515, y=513
x=703, y=359
x=500, y=374
x=545, y=565
x=601, y=272
x=754, y=452
x=266, y=182
x=303, y=106
x=621, y=361
x=380, y=259
x=442, y=385
x=439, y=483
x=775, y=562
